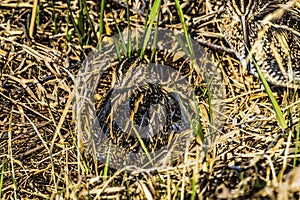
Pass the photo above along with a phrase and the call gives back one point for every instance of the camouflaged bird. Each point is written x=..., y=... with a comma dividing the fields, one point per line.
x=266, y=33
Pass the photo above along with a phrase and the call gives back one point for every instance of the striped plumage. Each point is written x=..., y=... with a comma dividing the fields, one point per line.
x=151, y=111
x=267, y=32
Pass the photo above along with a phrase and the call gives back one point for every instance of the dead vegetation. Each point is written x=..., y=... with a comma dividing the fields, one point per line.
x=252, y=156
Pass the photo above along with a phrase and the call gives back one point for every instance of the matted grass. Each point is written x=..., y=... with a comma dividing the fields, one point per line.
x=252, y=156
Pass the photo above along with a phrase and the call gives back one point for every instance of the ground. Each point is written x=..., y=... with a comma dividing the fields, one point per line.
x=251, y=156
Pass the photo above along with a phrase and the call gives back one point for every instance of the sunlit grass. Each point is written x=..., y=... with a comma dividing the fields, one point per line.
x=1, y=178
x=82, y=24
x=149, y=27
x=68, y=173
x=297, y=135
x=101, y=23
x=277, y=109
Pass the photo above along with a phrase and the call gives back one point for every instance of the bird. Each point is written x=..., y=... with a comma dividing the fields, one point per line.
x=153, y=112
x=266, y=34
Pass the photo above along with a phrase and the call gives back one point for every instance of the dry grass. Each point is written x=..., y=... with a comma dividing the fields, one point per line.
x=251, y=158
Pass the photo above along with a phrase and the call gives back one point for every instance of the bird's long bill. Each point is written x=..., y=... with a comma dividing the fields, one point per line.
x=245, y=30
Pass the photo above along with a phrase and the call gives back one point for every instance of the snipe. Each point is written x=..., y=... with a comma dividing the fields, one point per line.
x=267, y=33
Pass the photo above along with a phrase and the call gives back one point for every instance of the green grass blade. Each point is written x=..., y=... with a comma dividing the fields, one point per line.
x=183, y=46
x=197, y=126
x=127, y=186
x=101, y=23
x=194, y=191
x=276, y=107
x=153, y=49
x=1, y=179
x=153, y=13
x=297, y=139
x=73, y=22
x=210, y=111
x=105, y=171
x=118, y=51
x=90, y=28
x=129, y=45
x=123, y=46
x=54, y=15
x=143, y=145
x=184, y=26
x=80, y=17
